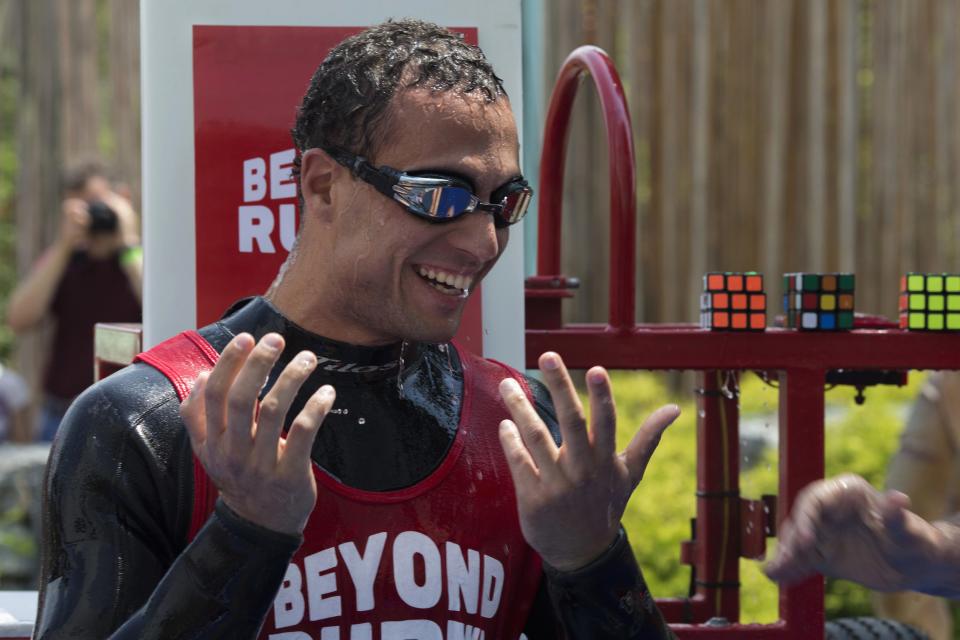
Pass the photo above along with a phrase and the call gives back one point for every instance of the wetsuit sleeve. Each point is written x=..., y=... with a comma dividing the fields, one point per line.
x=606, y=600
x=117, y=496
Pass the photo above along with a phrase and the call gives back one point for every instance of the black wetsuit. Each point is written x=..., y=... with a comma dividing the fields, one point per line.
x=119, y=497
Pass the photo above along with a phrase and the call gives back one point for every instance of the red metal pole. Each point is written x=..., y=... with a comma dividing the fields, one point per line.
x=801, y=462
x=718, y=495
x=616, y=118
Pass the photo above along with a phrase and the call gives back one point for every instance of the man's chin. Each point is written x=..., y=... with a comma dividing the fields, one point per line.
x=438, y=331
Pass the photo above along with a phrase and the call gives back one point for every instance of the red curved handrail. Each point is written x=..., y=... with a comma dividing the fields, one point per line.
x=623, y=197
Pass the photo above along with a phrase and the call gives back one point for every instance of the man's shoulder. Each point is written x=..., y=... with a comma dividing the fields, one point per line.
x=125, y=400
x=138, y=396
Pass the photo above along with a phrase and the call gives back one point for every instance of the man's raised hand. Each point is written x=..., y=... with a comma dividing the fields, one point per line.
x=571, y=497
x=262, y=476
x=845, y=528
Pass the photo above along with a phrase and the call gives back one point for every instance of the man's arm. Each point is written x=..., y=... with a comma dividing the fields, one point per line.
x=845, y=528
x=117, y=503
x=606, y=599
x=31, y=299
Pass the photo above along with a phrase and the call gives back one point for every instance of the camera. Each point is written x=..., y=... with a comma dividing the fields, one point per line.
x=103, y=219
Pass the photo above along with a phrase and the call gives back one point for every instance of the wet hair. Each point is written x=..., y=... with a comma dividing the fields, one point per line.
x=345, y=106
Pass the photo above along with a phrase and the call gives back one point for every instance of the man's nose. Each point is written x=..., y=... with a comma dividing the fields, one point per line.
x=476, y=234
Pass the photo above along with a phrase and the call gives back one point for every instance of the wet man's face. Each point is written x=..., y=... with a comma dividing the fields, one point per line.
x=388, y=263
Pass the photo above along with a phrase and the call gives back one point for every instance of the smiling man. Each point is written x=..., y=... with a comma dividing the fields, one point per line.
x=337, y=470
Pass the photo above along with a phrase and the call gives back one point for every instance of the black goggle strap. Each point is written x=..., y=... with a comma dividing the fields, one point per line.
x=382, y=179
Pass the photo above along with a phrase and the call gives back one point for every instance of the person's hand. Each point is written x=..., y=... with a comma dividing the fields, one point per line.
x=571, y=498
x=74, y=224
x=262, y=476
x=845, y=528
x=128, y=223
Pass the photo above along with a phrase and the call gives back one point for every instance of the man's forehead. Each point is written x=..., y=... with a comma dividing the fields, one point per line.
x=422, y=123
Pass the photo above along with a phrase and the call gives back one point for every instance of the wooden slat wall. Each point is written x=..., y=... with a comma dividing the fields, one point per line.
x=78, y=64
x=771, y=135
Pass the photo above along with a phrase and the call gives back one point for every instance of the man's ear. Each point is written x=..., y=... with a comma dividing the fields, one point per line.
x=316, y=178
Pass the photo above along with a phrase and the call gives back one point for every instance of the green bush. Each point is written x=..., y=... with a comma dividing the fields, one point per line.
x=859, y=439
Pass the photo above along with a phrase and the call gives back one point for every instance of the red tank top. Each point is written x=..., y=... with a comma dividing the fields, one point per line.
x=443, y=559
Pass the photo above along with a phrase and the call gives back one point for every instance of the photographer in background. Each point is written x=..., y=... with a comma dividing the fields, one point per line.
x=92, y=273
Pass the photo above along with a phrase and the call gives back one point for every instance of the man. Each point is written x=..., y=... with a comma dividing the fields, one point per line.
x=925, y=467
x=409, y=513
x=91, y=273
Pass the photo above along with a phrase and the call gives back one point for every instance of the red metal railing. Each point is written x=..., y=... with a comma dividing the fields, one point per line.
x=623, y=199
x=727, y=526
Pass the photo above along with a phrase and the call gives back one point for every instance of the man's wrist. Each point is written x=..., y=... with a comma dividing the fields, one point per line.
x=943, y=575
x=574, y=567
x=62, y=247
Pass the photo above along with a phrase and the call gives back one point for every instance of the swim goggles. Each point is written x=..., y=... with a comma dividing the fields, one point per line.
x=437, y=197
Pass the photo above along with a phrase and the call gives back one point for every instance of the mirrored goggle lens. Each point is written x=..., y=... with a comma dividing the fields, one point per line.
x=515, y=206
x=446, y=202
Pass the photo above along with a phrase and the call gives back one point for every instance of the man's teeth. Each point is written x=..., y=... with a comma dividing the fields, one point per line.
x=462, y=282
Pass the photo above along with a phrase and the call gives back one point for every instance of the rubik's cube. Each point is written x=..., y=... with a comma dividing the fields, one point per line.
x=819, y=301
x=930, y=302
x=733, y=301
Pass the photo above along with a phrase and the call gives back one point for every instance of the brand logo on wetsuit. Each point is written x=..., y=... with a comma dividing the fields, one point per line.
x=339, y=366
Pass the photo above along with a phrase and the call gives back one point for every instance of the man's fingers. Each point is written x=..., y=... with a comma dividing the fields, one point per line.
x=193, y=414
x=603, y=414
x=566, y=402
x=218, y=384
x=245, y=391
x=798, y=555
x=645, y=441
x=276, y=404
x=303, y=430
x=790, y=567
x=536, y=437
x=522, y=468
x=819, y=513
x=894, y=512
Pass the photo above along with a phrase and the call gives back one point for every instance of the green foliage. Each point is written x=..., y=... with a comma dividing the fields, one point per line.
x=859, y=439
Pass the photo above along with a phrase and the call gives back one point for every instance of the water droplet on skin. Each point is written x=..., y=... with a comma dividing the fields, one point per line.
x=766, y=509
x=702, y=413
x=403, y=351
